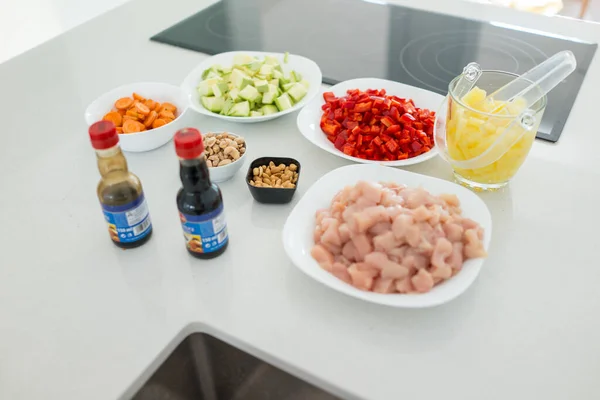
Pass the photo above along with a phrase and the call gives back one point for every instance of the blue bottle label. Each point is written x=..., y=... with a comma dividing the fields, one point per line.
x=129, y=222
x=205, y=233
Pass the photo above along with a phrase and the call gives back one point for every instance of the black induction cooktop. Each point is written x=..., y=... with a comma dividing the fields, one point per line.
x=368, y=38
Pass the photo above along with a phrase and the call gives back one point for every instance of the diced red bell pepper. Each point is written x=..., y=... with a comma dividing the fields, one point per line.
x=348, y=149
x=392, y=129
x=370, y=124
x=407, y=119
x=416, y=146
x=363, y=107
x=391, y=146
x=387, y=121
x=329, y=97
x=340, y=140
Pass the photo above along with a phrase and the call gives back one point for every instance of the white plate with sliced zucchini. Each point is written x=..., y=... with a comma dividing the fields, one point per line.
x=252, y=86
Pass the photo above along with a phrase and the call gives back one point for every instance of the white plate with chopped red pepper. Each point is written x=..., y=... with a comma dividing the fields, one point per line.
x=373, y=121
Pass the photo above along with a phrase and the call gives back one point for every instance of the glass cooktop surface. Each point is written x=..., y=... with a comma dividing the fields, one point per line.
x=368, y=38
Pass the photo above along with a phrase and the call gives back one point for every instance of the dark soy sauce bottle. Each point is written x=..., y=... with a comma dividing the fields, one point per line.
x=199, y=201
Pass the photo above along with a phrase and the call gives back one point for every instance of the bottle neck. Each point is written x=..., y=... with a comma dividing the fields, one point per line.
x=194, y=174
x=111, y=160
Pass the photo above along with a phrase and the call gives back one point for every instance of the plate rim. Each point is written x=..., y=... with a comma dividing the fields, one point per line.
x=424, y=300
x=318, y=102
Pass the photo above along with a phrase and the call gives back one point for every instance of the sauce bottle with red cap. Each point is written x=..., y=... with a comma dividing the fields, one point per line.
x=120, y=191
x=199, y=201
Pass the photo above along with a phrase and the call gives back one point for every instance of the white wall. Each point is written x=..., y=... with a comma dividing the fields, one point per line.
x=25, y=24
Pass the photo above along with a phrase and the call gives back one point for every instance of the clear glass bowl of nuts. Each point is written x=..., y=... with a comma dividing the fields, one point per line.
x=273, y=180
x=225, y=154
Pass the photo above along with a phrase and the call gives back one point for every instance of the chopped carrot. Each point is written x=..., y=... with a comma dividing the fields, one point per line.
x=138, y=97
x=132, y=112
x=158, y=123
x=166, y=114
x=123, y=103
x=128, y=118
x=169, y=107
x=150, y=119
x=150, y=104
x=142, y=108
x=130, y=126
x=137, y=113
x=114, y=117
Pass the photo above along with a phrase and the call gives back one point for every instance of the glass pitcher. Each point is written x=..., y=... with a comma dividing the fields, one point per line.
x=485, y=143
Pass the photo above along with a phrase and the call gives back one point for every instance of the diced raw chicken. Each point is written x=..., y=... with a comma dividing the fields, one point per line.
x=363, y=203
x=385, y=242
x=394, y=270
x=422, y=259
x=401, y=225
x=440, y=273
x=322, y=214
x=398, y=253
x=317, y=234
x=380, y=227
x=474, y=246
x=362, y=221
x=326, y=266
x=362, y=278
x=393, y=212
x=422, y=281
x=413, y=235
x=382, y=285
x=389, y=268
x=455, y=260
x=454, y=232
x=416, y=197
x=387, y=238
x=321, y=254
x=344, y=232
x=443, y=249
x=333, y=249
x=363, y=246
x=421, y=214
x=377, y=259
x=349, y=251
x=404, y=285
x=341, y=271
x=450, y=199
x=370, y=190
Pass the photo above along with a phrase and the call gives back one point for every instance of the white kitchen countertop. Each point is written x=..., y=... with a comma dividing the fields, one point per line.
x=82, y=319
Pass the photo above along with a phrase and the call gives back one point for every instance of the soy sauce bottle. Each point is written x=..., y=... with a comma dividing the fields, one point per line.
x=119, y=191
x=199, y=201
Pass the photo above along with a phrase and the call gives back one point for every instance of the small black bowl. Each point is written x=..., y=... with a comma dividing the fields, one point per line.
x=271, y=195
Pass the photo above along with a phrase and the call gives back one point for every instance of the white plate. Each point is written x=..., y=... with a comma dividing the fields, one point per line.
x=307, y=68
x=299, y=227
x=310, y=116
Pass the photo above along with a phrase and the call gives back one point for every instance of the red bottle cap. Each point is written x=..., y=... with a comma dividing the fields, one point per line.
x=103, y=135
x=188, y=143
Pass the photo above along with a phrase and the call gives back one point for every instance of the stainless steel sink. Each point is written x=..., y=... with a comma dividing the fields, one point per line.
x=203, y=367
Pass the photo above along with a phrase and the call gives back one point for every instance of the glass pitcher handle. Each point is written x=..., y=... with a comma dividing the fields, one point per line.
x=469, y=77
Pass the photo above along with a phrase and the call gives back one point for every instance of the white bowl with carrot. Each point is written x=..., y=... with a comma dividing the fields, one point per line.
x=146, y=114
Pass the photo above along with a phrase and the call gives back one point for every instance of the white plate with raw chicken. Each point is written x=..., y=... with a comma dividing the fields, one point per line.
x=429, y=250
